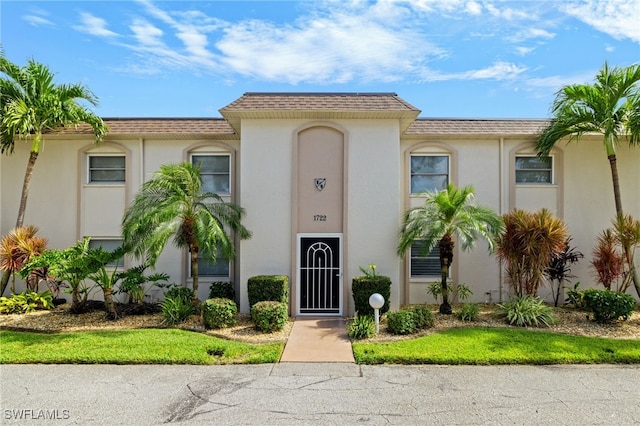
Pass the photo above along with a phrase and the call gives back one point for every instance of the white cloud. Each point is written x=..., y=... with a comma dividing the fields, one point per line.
x=618, y=18
x=38, y=21
x=497, y=71
x=93, y=25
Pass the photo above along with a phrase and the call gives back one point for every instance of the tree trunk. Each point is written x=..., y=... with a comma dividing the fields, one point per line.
x=446, y=257
x=110, y=306
x=25, y=188
x=23, y=205
x=613, y=162
x=194, y=272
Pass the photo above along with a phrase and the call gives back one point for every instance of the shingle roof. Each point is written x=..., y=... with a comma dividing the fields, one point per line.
x=260, y=101
x=323, y=106
x=216, y=127
x=468, y=126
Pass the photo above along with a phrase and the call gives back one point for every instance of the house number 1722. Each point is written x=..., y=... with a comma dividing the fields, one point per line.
x=319, y=217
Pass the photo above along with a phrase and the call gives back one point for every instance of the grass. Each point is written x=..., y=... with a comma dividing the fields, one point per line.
x=493, y=346
x=137, y=346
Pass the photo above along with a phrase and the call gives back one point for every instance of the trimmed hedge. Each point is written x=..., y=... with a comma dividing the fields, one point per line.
x=219, y=313
x=269, y=316
x=273, y=288
x=222, y=289
x=608, y=306
x=363, y=287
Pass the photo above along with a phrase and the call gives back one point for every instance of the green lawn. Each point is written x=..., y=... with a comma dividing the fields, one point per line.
x=489, y=346
x=141, y=346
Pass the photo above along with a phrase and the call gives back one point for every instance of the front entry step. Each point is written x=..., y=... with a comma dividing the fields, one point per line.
x=318, y=340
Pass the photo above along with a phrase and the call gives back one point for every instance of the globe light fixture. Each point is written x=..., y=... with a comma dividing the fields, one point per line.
x=376, y=301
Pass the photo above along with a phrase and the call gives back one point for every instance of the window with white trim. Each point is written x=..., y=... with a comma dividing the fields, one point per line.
x=208, y=267
x=429, y=173
x=107, y=244
x=106, y=169
x=422, y=265
x=215, y=172
x=531, y=169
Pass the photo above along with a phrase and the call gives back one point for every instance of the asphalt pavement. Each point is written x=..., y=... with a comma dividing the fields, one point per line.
x=319, y=393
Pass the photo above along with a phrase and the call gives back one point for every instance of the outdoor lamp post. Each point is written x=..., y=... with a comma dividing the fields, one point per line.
x=376, y=301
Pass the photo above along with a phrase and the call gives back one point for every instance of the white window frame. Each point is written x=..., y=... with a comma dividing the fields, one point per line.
x=229, y=173
x=106, y=182
x=412, y=174
x=550, y=170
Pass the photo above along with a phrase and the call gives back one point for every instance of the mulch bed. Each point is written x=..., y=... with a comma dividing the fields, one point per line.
x=60, y=319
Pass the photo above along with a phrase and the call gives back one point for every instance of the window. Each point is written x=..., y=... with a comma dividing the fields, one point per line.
x=532, y=169
x=107, y=245
x=106, y=168
x=429, y=173
x=424, y=266
x=214, y=172
x=208, y=267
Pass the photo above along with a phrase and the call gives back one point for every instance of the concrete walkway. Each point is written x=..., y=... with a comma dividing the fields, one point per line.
x=318, y=340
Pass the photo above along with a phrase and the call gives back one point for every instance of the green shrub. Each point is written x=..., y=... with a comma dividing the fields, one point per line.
x=269, y=316
x=25, y=302
x=219, y=313
x=423, y=316
x=526, y=311
x=183, y=293
x=222, y=289
x=362, y=327
x=608, y=306
x=363, y=287
x=273, y=288
x=402, y=322
x=468, y=312
x=175, y=309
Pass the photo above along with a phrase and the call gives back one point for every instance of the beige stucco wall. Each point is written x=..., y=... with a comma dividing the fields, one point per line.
x=376, y=182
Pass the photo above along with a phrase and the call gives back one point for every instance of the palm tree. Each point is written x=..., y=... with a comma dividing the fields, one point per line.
x=444, y=214
x=32, y=105
x=17, y=248
x=610, y=107
x=173, y=203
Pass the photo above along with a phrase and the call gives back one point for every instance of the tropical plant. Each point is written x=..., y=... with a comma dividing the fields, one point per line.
x=528, y=242
x=31, y=105
x=526, y=311
x=98, y=262
x=173, y=203
x=558, y=270
x=69, y=265
x=25, y=302
x=136, y=285
x=361, y=327
x=608, y=261
x=443, y=215
x=468, y=312
x=457, y=291
x=610, y=107
x=16, y=248
x=614, y=253
x=370, y=272
x=175, y=309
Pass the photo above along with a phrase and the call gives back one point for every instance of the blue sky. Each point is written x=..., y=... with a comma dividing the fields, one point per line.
x=449, y=58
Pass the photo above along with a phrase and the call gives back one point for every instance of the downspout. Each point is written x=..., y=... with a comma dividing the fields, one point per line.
x=141, y=142
x=500, y=206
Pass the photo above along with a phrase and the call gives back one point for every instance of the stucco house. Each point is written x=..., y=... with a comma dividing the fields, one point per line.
x=324, y=179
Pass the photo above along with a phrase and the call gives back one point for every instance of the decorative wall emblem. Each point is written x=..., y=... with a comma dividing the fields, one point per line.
x=320, y=183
